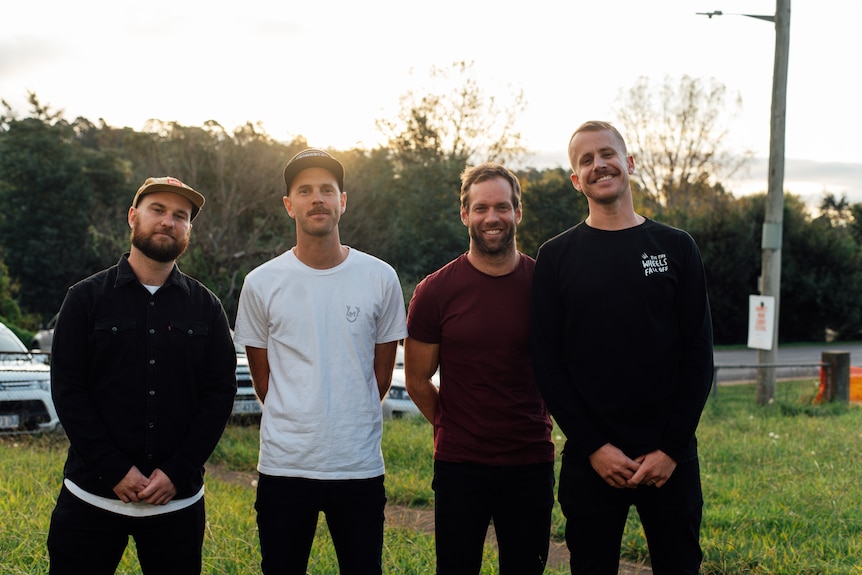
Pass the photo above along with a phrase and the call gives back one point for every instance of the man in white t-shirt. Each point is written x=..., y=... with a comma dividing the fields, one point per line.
x=321, y=325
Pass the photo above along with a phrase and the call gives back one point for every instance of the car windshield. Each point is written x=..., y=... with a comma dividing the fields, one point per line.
x=9, y=342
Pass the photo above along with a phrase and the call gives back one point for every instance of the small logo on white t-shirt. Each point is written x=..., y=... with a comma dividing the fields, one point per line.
x=352, y=314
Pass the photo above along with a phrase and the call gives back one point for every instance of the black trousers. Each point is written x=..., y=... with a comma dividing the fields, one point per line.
x=86, y=539
x=287, y=514
x=596, y=517
x=517, y=498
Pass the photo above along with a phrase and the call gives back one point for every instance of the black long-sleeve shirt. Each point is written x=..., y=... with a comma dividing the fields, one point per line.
x=140, y=379
x=622, y=338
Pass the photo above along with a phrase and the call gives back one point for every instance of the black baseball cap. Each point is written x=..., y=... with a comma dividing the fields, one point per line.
x=313, y=158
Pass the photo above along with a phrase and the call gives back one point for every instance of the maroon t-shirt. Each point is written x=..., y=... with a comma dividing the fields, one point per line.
x=491, y=411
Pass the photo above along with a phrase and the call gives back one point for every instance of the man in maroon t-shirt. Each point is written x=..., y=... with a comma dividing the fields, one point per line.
x=493, y=453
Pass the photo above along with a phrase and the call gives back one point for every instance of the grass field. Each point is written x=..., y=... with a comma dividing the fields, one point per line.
x=782, y=485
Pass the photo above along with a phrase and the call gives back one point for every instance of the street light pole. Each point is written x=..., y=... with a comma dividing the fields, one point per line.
x=773, y=221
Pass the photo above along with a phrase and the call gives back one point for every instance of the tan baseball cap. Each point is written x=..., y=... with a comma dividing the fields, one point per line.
x=173, y=185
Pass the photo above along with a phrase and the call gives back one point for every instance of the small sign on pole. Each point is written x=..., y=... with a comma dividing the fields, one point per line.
x=761, y=321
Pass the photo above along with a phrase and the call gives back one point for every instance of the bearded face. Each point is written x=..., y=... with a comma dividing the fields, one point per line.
x=494, y=241
x=161, y=226
x=158, y=246
x=491, y=217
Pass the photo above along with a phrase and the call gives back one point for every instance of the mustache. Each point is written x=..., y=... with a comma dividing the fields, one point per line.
x=602, y=172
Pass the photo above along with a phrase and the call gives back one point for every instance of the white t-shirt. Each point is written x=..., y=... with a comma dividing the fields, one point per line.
x=133, y=508
x=321, y=418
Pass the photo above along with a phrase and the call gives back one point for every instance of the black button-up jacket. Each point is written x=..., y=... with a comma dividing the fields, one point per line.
x=140, y=379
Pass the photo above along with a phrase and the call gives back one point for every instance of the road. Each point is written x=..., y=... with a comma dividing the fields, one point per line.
x=787, y=355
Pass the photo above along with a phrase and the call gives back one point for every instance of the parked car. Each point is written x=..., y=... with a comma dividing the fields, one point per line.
x=25, y=389
x=397, y=402
x=44, y=337
x=245, y=404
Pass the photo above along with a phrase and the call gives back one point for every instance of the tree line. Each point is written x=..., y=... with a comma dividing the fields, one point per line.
x=66, y=186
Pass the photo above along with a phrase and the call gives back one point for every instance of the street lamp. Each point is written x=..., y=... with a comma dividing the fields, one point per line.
x=767, y=17
x=770, y=279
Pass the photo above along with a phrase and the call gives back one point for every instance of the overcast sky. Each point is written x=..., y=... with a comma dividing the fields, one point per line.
x=328, y=70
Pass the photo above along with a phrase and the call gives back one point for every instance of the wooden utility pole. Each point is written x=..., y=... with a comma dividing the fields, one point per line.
x=773, y=222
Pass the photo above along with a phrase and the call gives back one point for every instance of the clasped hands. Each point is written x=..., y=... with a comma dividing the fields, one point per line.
x=620, y=471
x=157, y=489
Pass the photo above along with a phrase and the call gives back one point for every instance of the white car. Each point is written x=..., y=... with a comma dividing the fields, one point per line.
x=44, y=337
x=397, y=402
x=245, y=403
x=25, y=389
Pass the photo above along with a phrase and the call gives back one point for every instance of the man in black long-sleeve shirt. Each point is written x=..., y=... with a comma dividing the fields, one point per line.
x=622, y=351
x=143, y=379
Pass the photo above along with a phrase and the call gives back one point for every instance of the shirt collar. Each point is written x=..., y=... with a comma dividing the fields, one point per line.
x=126, y=274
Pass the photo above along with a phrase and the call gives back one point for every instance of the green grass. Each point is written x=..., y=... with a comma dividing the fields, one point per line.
x=781, y=484
x=782, y=489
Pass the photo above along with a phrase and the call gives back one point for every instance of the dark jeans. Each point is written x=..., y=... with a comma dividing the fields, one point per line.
x=596, y=518
x=518, y=498
x=86, y=539
x=287, y=512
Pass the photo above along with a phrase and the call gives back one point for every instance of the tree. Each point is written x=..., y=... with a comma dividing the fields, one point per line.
x=677, y=134
x=243, y=222
x=456, y=118
x=821, y=275
x=370, y=219
x=836, y=210
x=821, y=269
x=854, y=223
x=428, y=231
x=10, y=312
x=551, y=206
x=727, y=232
x=432, y=139
x=52, y=189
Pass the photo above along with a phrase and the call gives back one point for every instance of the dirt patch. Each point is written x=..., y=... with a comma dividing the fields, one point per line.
x=226, y=475
x=422, y=520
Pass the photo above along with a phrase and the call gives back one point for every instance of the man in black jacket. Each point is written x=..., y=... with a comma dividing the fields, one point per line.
x=143, y=379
